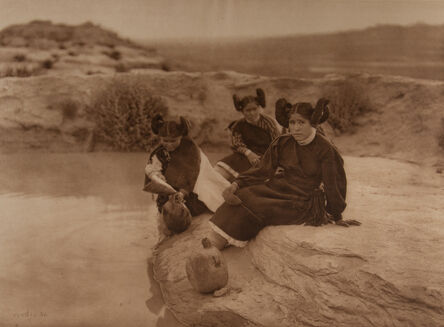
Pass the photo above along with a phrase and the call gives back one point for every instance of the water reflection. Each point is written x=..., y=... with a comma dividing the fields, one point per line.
x=74, y=241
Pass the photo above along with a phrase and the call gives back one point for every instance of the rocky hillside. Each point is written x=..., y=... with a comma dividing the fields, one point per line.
x=406, y=121
x=44, y=48
x=39, y=33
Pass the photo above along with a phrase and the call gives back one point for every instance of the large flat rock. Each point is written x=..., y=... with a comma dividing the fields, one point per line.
x=387, y=272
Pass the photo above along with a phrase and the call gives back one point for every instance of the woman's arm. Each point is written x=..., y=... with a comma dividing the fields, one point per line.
x=270, y=125
x=264, y=170
x=154, y=166
x=335, y=183
x=155, y=181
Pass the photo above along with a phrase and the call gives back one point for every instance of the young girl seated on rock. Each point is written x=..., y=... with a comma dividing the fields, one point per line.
x=250, y=136
x=177, y=166
x=300, y=180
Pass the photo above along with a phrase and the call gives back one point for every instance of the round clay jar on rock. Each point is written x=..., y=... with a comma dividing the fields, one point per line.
x=176, y=215
x=207, y=270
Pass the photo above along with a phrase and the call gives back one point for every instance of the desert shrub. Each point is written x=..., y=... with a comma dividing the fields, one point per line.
x=122, y=113
x=20, y=57
x=121, y=68
x=165, y=67
x=47, y=64
x=69, y=108
x=116, y=55
x=441, y=135
x=72, y=53
x=348, y=100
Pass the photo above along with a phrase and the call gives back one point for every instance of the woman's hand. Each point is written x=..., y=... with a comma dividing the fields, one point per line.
x=347, y=222
x=253, y=158
x=279, y=172
x=229, y=195
x=179, y=196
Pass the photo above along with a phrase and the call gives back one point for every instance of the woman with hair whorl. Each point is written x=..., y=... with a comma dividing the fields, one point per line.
x=299, y=180
x=250, y=136
x=177, y=165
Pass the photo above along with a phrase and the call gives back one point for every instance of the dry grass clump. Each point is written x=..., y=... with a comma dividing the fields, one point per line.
x=348, y=101
x=19, y=57
x=122, y=112
x=18, y=71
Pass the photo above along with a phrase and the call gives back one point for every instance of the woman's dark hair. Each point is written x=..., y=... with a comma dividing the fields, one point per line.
x=316, y=115
x=259, y=99
x=169, y=128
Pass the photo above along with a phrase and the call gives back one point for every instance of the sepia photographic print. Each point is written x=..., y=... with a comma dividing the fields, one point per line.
x=266, y=163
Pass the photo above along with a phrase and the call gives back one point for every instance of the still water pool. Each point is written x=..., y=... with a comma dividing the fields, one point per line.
x=76, y=232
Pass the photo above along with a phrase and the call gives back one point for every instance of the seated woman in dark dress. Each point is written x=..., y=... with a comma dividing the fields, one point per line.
x=179, y=166
x=299, y=180
x=250, y=136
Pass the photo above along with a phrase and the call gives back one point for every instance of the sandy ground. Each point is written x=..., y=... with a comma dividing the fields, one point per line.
x=73, y=245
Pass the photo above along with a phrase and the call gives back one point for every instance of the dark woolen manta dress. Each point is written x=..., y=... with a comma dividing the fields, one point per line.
x=181, y=170
x=248, y=137
x=310, y=190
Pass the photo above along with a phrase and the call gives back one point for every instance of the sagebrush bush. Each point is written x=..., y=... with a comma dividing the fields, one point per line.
x=122, y=112
x=47, y=64
x=348, y=100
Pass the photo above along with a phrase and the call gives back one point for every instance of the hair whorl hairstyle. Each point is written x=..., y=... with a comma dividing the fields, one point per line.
x=282, y=112
x=184, y=126
x=316, y=115
x=156, y=123
x=259, y=99
x=170, y=128
x=320, y=113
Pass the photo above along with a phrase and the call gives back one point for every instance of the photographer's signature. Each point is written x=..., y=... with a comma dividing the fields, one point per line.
x=29, y=314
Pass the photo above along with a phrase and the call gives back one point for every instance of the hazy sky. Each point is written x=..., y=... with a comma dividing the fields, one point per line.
x=221, y=18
